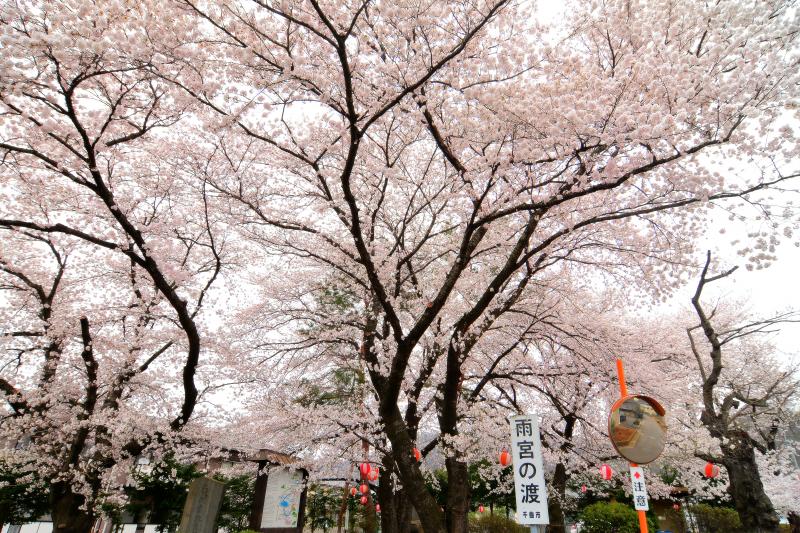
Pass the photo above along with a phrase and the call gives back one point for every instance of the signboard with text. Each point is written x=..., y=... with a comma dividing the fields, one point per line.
x=279, y=501
x=531, y=490
x=282, y=498
x=639, y=488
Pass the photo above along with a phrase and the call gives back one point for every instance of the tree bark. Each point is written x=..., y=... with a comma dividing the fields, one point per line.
x=414, y=486
x=747, y=492
x=68, y=517
x=458, y=487
x=554, y=505
x=389, y=511
x=560, y=477
x=395, y=506
x=458, y=495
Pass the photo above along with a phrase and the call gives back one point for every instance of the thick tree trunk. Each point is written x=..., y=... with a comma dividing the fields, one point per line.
x=458, y=495
x=395, y=506
x=389, y=511
x=747, y=492
x=430, y=515
x=68, y=517
x=554, y=503
x=458, y=487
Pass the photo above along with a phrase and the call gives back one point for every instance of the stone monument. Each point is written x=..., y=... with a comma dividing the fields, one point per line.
x=202, y=506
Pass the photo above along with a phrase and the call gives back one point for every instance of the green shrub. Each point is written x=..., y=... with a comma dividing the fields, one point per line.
x=710, y=519
x=487, y=523
x=603, y=517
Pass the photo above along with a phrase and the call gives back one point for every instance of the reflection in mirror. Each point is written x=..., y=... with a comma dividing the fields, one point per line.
x=638, y=430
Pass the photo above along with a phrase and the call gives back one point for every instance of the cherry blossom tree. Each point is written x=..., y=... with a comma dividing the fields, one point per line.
x=110, y=247
x=451, y=170
x=747, y=398
x=450, y=161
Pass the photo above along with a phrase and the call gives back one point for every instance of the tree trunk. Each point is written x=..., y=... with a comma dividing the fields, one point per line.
x=458, y=486
x=554, y=504
x=68, y=517
x=458, y=494
x=395, y=506
x=430, y=515
x=747, y=492
x=370, y=516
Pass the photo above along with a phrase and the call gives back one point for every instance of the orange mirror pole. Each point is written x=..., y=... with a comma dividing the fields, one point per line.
x=642, y=521
x=623, y=391
x=623, y=387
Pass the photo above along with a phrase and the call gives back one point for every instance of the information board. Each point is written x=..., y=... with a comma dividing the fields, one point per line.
x=282, y=498
x=531, y=490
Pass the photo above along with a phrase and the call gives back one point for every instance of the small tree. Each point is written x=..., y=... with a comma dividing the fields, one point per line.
x=710, y=519
x=237, y=503
x=160, y=494
x=612, y=517
x=322, y=507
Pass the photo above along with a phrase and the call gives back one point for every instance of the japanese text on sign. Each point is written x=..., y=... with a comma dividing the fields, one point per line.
x=639, y=488
x=531, y=491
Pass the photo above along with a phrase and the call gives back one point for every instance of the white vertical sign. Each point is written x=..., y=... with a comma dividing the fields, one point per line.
x=639, y=489
x=526, y=449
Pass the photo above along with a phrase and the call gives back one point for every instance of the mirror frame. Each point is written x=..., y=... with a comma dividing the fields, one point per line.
x=657, y=407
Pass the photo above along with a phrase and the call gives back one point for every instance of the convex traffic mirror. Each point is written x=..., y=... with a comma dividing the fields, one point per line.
x=637, y=428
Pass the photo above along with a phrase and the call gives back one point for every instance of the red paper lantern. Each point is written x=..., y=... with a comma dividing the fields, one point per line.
x=373, y=474
x=711, y=470
x=353, y=491
x=417, y=455
x=377, y=508
x=606, y=472
x=364, y=488
x=364, y=468
x=363, y=500
x=505, y=458
x=480, y=508
x=583, y=488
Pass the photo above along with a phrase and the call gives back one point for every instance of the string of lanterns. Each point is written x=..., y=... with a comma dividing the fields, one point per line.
x=368, y=472
x=711, y=470
x=372, y=473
